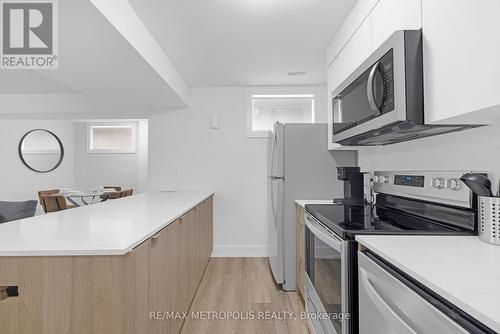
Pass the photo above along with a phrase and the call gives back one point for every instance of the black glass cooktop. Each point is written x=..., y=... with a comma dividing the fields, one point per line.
x=347, y=221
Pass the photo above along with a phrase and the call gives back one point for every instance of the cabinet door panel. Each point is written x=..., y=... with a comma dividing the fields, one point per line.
x=184, y=277
x=206, y=239
x=210, y=226
x=163, y=282
x=196, y=232
x=461, y=53
x=391, y=15
x=138, y=277
x=353, y=54
x=300, y=249
x=356, y=17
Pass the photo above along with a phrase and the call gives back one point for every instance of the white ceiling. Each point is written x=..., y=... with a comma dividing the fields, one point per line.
x=245, y=42
x=100, y=71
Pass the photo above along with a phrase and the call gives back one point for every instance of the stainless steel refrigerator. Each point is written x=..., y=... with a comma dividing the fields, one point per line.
x=299, y=167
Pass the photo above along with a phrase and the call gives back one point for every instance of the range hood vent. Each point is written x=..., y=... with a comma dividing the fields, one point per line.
x=400, y=132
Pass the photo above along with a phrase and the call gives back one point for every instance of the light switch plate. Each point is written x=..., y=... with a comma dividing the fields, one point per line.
x=214, y=122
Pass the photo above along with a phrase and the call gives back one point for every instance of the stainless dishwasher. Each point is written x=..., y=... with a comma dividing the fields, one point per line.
x=392, y=303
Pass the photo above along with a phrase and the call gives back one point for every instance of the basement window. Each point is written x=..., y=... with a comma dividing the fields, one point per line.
x=269, y=109
x=119, y=138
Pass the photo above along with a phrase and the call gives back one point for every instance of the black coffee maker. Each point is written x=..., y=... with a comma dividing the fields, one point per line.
x=353, y=186
x=357, y=209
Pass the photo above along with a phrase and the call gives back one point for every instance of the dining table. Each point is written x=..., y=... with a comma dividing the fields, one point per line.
x=87, y=197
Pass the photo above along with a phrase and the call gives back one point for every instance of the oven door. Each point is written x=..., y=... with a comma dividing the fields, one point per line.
x=327, y=280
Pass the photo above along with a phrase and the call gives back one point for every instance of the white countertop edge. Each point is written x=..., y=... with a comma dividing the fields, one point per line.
x=107, y=252
x=304, y=202
x=475, y=313
x=138, y=243
x=38, y=253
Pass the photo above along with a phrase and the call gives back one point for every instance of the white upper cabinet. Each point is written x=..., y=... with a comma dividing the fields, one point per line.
x=391, y=15
x=461, y=61
x=461, y=53
x=357, y=16
x=369, y=24
x=352, y=55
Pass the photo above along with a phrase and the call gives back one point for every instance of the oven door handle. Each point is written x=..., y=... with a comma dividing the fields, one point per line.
x=329, y=239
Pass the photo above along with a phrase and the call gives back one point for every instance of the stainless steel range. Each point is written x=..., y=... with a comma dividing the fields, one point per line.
x=406, y=202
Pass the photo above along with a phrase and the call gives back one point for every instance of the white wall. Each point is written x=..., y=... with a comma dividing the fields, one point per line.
x=78, y=169
x=101, y=169
x=184, y=153
x=476, y=149
x=19, y=183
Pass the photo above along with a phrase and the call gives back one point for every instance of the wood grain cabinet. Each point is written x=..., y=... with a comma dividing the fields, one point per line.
x=301, y=249
x=111, y=294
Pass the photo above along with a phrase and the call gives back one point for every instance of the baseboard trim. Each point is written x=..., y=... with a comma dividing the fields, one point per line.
x=240, y=251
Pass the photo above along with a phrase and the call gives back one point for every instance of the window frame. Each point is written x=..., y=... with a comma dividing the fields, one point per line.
x=132, y=150
x=278, y=92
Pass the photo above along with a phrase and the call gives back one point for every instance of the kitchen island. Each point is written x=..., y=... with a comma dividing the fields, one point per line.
x=106, y=268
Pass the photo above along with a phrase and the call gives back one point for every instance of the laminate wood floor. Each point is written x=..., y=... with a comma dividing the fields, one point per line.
x=242, y=287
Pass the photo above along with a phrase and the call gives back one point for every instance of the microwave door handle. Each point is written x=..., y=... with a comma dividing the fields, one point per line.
x=369, y=89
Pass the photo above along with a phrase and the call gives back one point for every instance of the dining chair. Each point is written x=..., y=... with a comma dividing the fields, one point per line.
x=121, y=194
x=114, y=195
x=47, y=192
x=10, y=211
x=116, y=188
x=51, y=192
x=53, y=203
x=126, y=193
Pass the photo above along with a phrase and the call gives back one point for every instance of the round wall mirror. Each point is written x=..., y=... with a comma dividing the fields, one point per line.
x=41, y=150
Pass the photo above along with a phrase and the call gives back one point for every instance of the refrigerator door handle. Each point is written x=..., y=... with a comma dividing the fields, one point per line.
x=273, y=207
x=274, y=178
x=273, y=151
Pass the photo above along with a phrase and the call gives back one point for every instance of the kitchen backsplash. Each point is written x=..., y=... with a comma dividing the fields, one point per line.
x=476, y=149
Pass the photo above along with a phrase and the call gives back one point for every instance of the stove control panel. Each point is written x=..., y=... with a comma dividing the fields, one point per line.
x=381, y=179
x=454, y=184
x=438, y=182
x=409, y=180
x=435, y=186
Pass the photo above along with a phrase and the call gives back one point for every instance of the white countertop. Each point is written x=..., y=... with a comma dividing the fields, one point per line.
x=304, y=202
x=112, y=227
x=461, y=269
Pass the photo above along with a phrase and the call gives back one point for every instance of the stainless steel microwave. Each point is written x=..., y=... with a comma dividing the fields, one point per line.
x=382, y=101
